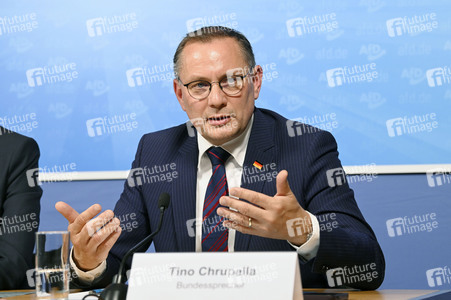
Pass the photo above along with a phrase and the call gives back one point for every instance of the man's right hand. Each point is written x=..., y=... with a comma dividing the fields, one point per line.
x=92, y=237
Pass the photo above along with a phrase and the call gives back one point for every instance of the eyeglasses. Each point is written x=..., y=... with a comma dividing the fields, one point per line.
x=230, y=85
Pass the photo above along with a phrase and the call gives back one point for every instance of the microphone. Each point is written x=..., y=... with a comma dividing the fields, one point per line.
x=117, y=290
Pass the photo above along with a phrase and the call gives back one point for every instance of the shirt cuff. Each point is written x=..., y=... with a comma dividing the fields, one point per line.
x=88, y=276
x=309, y=249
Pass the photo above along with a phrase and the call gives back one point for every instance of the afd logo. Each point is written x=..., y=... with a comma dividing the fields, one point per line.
x=336, y=177
x=136, y=177
x=438, y=177
x=438, y=276
x=33, y=177
x=438, y=76
x=135, y=77
x=35, y=77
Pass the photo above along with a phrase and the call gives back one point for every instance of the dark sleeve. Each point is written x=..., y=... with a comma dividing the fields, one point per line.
x=130, y=203
x=19, y=213
x=350, y=242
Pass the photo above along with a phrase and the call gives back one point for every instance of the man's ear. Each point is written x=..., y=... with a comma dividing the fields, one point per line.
x=178, y=93
x=257, y=79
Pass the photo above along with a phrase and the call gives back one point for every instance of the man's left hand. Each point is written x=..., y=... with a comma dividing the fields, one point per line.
x=269, y=217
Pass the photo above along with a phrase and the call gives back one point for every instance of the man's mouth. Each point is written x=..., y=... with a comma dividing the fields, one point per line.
x=218, y=120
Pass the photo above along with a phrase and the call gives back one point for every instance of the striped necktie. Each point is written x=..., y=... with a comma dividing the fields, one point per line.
x=214, y=234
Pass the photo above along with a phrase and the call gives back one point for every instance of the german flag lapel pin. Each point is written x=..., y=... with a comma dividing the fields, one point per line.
x=258, y=165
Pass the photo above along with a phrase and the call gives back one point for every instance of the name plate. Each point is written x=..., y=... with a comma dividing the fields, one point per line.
x=239, y=275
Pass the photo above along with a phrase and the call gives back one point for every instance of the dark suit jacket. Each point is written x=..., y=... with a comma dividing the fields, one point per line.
x=306, y=157
x=17, y=199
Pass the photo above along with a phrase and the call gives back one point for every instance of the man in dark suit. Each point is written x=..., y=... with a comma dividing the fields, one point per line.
x=20, y=197
x=235, y=150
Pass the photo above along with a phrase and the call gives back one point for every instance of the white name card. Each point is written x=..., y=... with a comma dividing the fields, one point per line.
x=239, y=275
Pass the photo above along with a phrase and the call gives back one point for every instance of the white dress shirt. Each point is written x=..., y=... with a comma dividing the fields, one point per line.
x=234, y=168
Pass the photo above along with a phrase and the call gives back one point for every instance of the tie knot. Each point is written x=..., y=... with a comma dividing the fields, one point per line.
x=217, y=155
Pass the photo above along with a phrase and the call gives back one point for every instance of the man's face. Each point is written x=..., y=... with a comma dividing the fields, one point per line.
x=219, y=117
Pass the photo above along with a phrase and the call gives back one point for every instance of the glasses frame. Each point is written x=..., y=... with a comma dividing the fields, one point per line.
x=211, y=85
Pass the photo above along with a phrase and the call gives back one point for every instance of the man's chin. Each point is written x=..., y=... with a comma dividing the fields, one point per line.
x=218, y=135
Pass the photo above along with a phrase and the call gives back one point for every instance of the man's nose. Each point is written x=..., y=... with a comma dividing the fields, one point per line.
x=217, y=97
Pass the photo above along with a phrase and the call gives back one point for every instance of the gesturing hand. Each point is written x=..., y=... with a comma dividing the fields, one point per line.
x=92, y=238
x=270, y=216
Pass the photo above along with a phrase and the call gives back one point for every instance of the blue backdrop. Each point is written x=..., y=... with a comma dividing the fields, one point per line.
x=88, y=79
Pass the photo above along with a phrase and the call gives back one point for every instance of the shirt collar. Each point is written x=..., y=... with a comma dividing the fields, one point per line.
x=236, y=147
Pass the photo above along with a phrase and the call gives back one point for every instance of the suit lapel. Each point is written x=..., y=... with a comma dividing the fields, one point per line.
x=184, y=193
x=260, y=148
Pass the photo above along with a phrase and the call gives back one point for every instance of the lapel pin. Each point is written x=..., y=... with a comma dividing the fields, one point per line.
x=258, y=165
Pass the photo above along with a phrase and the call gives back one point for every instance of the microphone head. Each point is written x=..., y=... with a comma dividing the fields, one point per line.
x=163, y=201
